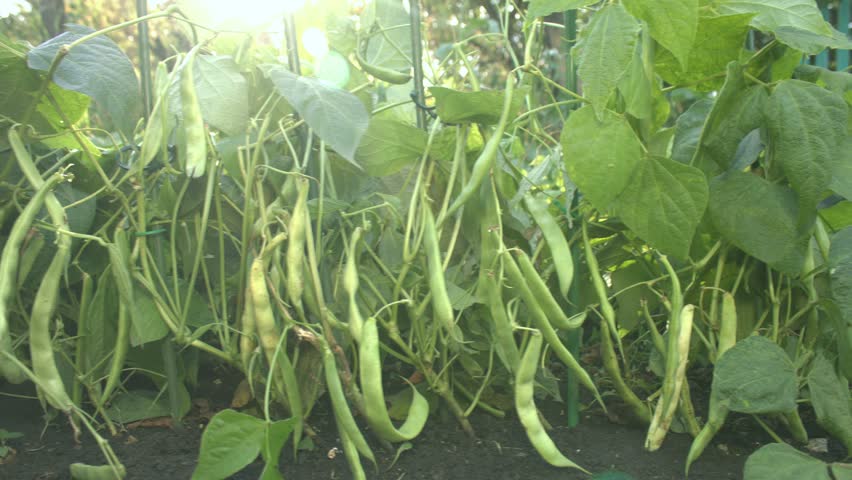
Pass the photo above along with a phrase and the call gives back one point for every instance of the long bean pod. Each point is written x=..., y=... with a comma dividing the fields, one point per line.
x=488, y=157
x=527, y=411
x=559, y=249
x=517, y=280
x=9, y=269
x=193, y=123
x=374, y=397
x=44, y=305
x=119, y=258
x=351, y=283
x=545, y=299
x=441, y=306
x=296, y=248
x=342, y=413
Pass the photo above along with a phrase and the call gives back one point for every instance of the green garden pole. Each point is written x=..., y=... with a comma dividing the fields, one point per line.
x=574, y=337
x=144, y=58
x=292, y=39
x=417, y=60
x=842, y=56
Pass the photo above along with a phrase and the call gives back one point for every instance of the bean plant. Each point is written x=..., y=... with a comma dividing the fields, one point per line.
x=685, y=208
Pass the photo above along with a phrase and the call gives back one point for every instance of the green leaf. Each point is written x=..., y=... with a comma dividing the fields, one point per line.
x=688, y=128
x=755, y=376
x=484, y=107
x=222, y=93
x=672, y=23
x=543, y=8
x=96, y=68
x=738, y=110
x=600, y=155
x=718, y=41
x=758, y=217
x=807, y=125
x=274, y=438
x=19, y=86
x=772, y=14
x=391, y=48
x=812, y=42
x=604, y=51
x=831, y=401
x=231, y=441
x=840, y=270
x=146, y=323
x=388, y=146
x=779, y=461
x=137, y=405
x=663, y=204
x=639, y=91
x=335, y=115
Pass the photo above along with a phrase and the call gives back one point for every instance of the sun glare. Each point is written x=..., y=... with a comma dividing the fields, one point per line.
x=243, y=15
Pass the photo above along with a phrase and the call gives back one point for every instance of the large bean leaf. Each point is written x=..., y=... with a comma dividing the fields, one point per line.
x=388, y=146
x=688, y=128
x=222, y=93
x=718, y=41
x=779, y=461
x=663, y=204
x=485, y=107
x=604, y=52
x=830, y=399
x=772, y=14
x=231, y=441
x=759, y=217
x=755, y=376
x=738, y=110
x=672, y=23
x=600, y=155
x=335, y=115
x=807, y=126
x=96, y=68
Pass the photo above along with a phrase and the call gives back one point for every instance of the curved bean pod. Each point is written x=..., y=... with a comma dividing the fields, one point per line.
x=527, y=411
x=543, y=324
x=559, y=249
x=441, y=305
x=488, y=156
x=545, y=299
x=374, y=396
x=9, y=268
x=297, y=234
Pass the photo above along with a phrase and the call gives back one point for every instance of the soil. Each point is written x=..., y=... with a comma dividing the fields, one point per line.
x=442, y=451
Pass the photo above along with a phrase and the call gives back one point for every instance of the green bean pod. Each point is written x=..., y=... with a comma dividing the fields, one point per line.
x=351, y=283
x=518, y=281
x=673, y=383
x=610, y=363
x=559, y=249
x=545, y=299
x=270, y=339
x=351, y=452
x=44, y=305
x=342, y=413
x=728, y=327
x=9, y=269
x=119, y=257
x=391, y=76
x=248, y=343
x=296, y=248
x=441, y=305
x=193, y=122
x=488, y=157
x=527, y=411
x=600, y=288
x=374, y=398
x=154, y=137
x=81, y=471
x=716, y=416
x=488, y=283
x=41, y=345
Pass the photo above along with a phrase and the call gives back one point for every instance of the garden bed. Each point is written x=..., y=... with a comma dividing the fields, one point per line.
x=442, y=451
